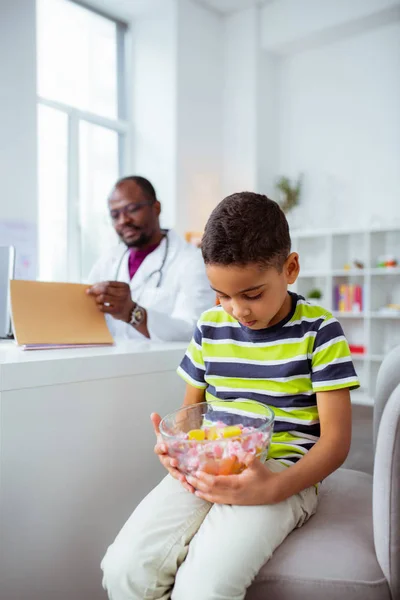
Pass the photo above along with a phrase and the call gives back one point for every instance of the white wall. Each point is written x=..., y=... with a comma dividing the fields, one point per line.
x=240, y=100
x=268, y=122
x=18, y=172
x=177, y=109
x=199, y=115
x=251, y=107
x=340, y=125
x=154, y=104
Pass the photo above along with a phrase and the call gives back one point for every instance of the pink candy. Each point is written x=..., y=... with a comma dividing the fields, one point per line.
x=231, y=453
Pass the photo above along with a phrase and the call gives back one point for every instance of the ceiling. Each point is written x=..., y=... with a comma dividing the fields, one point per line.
x=227, y=6
x=126, y=9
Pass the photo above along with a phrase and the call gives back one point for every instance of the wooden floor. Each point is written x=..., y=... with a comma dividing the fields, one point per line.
x=361, y=456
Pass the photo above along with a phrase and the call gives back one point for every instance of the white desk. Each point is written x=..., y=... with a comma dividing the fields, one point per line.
x=75, y=459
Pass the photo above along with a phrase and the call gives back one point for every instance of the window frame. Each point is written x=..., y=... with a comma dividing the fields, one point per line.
x=75, y=116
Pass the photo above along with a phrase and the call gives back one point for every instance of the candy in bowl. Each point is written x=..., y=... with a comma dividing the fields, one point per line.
x=220, y=438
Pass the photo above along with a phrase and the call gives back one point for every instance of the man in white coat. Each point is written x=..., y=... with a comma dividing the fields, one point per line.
x=153, y=284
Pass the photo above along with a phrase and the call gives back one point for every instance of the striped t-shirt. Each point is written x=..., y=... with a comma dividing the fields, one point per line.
x=283, y=367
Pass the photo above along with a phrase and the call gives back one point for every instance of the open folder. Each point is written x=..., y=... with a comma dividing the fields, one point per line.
x=56, y=315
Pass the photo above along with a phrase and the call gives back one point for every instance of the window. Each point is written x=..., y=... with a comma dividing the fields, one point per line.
x=82, y=134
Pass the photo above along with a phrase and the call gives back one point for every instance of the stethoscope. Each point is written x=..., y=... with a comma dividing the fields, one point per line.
x=158, y=272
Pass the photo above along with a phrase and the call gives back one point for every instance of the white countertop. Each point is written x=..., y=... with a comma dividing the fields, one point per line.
x=22, y=369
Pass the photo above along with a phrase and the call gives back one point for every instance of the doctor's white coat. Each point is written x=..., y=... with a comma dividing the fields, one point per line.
x=174, y=307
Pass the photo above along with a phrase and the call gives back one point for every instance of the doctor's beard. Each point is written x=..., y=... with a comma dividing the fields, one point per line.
x=143, y=239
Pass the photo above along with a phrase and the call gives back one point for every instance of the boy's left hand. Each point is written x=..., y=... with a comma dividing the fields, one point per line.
x=255, y=485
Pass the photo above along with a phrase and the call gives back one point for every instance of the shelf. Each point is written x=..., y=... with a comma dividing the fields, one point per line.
x=384, y=271
x=328, y=232
x=365, y=357
x=369, y=315
x=348, y=315
x=324, y=253
x=349, y=272
x=310, y=274
x=377, y=315
x=377, y=357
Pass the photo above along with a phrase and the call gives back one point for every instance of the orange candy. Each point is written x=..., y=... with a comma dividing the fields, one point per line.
x=211, y=467
x=224, y=466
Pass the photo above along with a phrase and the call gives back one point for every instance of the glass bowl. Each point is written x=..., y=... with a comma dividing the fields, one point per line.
x=218, y=437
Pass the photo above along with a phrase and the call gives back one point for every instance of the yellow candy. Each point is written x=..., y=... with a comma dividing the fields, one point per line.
x=197, y=434
x=212, y=433
x=231, y=431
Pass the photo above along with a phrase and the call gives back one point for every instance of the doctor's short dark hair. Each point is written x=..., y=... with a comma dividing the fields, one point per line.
x=246, y=228
x=143, y=183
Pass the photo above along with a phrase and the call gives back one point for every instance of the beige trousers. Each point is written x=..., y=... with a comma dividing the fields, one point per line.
x=177, y=546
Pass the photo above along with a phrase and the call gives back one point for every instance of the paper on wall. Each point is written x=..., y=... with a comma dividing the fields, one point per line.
x=23, y=236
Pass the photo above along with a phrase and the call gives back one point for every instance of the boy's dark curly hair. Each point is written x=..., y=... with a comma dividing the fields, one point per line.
x=246, y=228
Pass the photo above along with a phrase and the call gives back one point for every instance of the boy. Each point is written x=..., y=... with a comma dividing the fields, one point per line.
x=206, y=537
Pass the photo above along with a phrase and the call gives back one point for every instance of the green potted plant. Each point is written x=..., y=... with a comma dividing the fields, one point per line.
x=289, y=193
x=314, y=296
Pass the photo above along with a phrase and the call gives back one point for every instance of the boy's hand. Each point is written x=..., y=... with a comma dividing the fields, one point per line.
x=161, y=450
x=256, y=485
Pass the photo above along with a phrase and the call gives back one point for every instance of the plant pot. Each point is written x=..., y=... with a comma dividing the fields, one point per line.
x=315, y=301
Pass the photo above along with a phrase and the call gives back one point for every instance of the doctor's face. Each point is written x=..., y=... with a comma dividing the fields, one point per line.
x=135, y=216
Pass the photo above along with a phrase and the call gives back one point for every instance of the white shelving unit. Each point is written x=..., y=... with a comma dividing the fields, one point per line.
x=323, y=256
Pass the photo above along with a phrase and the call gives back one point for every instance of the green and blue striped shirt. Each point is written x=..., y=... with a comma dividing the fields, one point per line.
x=283, y=367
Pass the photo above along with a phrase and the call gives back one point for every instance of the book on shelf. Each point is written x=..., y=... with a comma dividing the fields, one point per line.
x=348, y=297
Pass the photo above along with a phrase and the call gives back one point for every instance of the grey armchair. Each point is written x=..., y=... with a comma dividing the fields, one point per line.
x=350, y=550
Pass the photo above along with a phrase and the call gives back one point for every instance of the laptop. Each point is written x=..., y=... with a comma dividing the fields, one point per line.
x=7, y=265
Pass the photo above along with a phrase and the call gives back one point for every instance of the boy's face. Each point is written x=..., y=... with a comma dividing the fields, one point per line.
x=257, y=297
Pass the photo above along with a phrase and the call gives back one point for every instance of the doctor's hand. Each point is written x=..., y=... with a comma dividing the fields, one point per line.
x=161, y=450
x=114, y=298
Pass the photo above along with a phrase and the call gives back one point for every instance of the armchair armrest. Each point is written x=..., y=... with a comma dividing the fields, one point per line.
x=386, y=493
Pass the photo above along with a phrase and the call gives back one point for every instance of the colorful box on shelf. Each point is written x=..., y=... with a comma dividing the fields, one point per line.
x=357, y=349
x=389, y=310
x=348, y=298
x=193, y=237
x=387, y=262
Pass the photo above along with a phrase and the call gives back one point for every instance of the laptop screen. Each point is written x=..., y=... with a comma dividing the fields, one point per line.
x=7, y=263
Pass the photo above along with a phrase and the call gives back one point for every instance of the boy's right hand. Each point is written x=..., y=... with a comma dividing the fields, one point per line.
x=171, y=464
